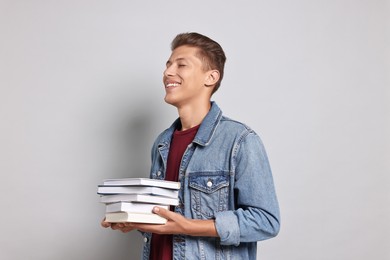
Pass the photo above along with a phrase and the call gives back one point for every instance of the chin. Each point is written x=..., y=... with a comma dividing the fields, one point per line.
x=170, y=101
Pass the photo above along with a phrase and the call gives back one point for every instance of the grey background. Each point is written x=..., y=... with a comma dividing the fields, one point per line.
x=81, y=100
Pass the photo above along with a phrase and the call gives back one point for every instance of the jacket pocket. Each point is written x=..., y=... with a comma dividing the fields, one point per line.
x=209, y=193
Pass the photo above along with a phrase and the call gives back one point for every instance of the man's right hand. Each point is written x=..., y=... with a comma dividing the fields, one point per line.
x=117, y=226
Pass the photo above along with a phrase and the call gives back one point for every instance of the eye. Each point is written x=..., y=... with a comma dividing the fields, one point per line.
x=181, y=65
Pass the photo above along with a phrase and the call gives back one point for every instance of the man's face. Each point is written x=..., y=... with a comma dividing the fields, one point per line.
x=184, y=78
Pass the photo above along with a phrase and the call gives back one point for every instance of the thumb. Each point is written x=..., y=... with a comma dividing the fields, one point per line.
x=162, y=212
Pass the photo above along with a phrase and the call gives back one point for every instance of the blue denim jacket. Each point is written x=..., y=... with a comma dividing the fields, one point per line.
x=224, y=175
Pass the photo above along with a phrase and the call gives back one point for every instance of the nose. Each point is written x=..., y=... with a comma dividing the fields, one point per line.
x=169, y=71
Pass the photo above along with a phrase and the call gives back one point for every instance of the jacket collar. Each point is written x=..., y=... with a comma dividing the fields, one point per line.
x=206, y=129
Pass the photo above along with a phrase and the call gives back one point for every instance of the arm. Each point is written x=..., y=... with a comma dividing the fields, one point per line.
x=176, y=224
x=256, y=213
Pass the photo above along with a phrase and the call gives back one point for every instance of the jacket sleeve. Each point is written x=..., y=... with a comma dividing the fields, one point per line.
x=256, y=214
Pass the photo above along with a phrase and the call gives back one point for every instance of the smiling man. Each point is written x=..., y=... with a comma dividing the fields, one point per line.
x=227, y=197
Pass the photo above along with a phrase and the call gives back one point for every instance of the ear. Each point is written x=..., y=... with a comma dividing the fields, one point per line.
x=212, y=78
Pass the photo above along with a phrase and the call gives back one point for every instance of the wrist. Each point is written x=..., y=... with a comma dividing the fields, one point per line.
x=196, y=227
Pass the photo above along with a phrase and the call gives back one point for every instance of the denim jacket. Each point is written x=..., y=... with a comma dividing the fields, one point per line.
x=225, y=176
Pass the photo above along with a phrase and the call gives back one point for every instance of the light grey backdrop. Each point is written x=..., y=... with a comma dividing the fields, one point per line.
x=81, y=100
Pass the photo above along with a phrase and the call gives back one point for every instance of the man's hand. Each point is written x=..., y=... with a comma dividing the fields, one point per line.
x=124, y=227
x=176, y=224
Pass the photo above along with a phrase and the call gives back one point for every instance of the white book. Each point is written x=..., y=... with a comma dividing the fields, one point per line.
x=117, y=217
x=104, y=189
x=139, y=198
x=142, y=182
x=134, y=207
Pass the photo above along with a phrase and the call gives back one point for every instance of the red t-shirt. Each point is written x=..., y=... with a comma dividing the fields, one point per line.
x=161, y=245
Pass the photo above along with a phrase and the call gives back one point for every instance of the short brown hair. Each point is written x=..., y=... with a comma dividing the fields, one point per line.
x=210, y=52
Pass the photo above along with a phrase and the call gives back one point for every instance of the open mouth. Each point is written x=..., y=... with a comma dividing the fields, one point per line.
x=171, y=85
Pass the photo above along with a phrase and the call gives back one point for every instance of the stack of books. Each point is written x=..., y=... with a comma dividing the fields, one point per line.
x=133, y=199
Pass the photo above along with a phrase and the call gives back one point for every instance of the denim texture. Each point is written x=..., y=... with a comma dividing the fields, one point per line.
x=225, y=175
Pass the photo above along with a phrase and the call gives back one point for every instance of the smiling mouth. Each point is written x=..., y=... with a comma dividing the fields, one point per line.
x=171, y=85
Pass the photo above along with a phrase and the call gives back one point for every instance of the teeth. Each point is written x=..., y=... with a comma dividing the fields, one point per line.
x=172, y=84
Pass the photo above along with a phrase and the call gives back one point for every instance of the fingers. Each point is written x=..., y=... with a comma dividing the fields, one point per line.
x=167, y=214
x=117, y=226
x=162, y=212
x=124, y=227
x=105, y=224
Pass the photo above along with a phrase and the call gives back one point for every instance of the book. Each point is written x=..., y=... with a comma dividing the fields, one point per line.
x=104, y=189
x=134, y=207
x=142, y=182
x=150, y=218
x=139, y=198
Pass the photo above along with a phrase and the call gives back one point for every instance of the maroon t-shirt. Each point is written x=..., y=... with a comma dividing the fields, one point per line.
x=161, y=245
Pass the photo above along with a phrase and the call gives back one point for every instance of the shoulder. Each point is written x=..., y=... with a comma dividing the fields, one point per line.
x=238, y=132
x=231, y=125
x=233, y=132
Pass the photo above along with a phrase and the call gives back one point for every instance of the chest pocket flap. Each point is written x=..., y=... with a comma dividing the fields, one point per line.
x=207, y=183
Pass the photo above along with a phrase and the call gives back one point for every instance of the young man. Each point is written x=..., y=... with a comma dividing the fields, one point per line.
x=227, y=199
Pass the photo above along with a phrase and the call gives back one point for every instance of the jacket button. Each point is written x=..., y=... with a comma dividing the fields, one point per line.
x=145, y=239
x=209, y=184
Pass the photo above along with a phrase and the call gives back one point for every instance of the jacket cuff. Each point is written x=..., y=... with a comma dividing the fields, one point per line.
x=226, y=223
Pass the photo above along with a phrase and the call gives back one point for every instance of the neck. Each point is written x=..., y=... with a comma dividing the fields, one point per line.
x=193, y=115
